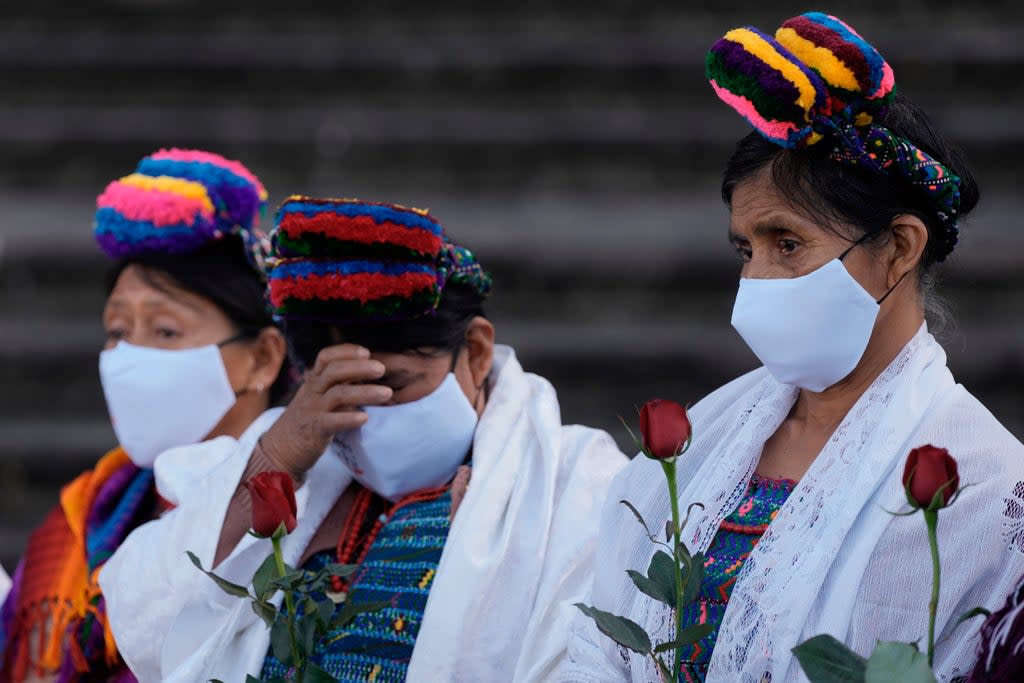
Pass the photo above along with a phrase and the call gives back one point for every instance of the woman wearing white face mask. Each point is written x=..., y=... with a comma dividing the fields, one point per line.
x=842, y=202
x=192, y=354
x=404, y=389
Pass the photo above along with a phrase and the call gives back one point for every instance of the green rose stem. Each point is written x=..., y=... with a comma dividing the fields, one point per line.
x=931, y=518
x=289, y=605
x=669, y=467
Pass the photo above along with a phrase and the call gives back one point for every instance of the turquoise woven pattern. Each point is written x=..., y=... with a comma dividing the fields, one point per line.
x=733, y=543
x=399, y=568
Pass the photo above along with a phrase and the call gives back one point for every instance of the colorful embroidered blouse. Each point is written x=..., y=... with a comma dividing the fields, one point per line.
x=399, y=567
x=733, y=543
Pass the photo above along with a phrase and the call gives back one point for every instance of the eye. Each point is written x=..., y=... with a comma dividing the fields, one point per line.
x=115, y=334
x=788, y=246
x=166, y=333
x=744, y=254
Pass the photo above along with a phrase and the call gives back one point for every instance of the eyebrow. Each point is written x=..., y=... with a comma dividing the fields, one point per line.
x=767, y=229
x=397, y=376
x=156, y=303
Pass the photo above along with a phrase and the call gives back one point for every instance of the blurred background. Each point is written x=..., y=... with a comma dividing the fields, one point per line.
x=574, y=145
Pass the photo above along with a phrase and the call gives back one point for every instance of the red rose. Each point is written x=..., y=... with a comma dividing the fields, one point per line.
x=273, y=503
x=928, y=470
x=664, y=428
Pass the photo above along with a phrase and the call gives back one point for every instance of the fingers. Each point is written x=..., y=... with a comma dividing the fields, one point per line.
x=349, y=396
x=335, y=423
x=339, y=353
x=346, y=372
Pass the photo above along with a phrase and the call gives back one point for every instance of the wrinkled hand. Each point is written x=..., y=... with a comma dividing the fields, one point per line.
x=329, y=401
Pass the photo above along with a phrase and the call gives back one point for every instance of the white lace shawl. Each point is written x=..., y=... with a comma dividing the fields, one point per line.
x=834, y=560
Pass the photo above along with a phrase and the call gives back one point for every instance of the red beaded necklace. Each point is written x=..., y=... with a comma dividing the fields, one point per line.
x=358, y=533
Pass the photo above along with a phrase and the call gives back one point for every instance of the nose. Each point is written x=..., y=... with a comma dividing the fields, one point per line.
x=756, y=269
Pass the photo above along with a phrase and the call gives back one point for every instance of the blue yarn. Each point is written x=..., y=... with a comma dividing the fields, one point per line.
x=297, y=269
x=380, y=214
x=110, y=221
x=871, y=56
x=200, y=171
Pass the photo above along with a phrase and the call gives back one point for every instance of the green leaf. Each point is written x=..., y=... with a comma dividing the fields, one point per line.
x=693, y=579
x=689, y=636
x=290, y=582
x=314, y=674
x=668, y=530
x=826, y=660
x=325, y=610
x=309, y=630
x=248, y=679
x=262, y=578
x=226, y=586
x=648, y=587
x=623, y=631
x=265, y=611
x=341, y=570
x=898, y=663
x=662, y=573
x=666, y=673
x=281, y=642
x=639, y=517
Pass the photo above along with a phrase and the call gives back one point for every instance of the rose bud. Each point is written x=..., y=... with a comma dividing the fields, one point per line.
x=273, y=503
x=929, y=470
x=664, y=429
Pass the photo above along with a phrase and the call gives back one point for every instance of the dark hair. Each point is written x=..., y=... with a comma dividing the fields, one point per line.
x=838, y=194
x=220, y=273
x=442, y=332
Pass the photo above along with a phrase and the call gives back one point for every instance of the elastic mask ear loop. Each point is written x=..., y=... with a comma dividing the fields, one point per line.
x=891, y=289
x=855, y=244
x=479, y=389
x=231, y=340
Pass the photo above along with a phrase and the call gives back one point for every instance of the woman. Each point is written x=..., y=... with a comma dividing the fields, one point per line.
x=841, y=202
x=404, y=385
x=191, y=354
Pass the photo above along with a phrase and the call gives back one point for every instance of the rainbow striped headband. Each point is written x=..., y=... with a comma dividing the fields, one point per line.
x=177, y=201
x=816, y=79
x=349, y=261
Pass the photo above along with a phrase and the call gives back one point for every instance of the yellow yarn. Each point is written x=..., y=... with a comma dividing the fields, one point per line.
x=189, y=189
x=821, y=59
x=760, y=48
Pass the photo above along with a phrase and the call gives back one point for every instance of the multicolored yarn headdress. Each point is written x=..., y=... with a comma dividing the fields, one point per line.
x=349, y=261
x=179, y=200
x=818, y=79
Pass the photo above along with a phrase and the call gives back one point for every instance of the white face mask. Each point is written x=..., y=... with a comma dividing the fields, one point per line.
x=411, y=446
x=809, y=331
x=160, y=399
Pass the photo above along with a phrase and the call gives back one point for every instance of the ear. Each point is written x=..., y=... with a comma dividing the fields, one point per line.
x=910, y=237
x=269, y=350
x=480, y=349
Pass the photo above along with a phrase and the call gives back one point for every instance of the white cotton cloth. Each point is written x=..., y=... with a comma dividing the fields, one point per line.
x=5, y=584
x=518, y=553
x=834, y=560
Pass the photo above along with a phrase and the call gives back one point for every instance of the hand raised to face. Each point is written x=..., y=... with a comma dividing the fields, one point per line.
x=329, y=401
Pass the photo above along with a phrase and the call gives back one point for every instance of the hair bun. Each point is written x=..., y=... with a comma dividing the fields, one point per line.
x=858, y=77
x=768, y=86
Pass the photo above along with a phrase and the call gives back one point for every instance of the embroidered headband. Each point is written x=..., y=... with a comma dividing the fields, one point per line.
x=179, y=200
x=345, y=260
x=817, y=79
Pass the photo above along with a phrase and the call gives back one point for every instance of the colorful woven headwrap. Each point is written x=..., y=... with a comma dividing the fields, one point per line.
x=179, y=200
x=818, y=79
x=349, y=261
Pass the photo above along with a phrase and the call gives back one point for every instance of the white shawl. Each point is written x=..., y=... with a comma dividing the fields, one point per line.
x=834, y=560
x=517, y=557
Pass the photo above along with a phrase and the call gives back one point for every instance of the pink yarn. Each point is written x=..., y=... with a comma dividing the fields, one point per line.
x=778, y=130
x=159, y=208
x=198, y=156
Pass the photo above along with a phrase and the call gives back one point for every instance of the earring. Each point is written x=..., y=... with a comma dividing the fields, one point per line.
x=259, y=388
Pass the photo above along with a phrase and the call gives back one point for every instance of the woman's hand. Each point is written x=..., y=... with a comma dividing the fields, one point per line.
x=329, y=401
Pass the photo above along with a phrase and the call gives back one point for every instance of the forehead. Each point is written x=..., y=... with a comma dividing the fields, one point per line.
x=136, y=287
x=758, y=205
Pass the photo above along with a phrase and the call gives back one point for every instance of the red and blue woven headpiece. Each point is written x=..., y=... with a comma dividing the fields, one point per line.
x=349, y=261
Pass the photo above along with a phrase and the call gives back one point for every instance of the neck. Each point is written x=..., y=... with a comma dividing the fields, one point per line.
x=246, y=410
x=891, y=334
